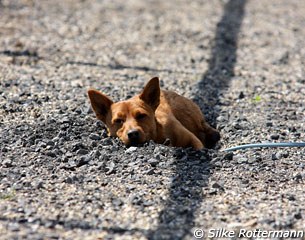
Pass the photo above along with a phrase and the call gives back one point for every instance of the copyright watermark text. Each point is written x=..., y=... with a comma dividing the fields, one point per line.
x=244, y=233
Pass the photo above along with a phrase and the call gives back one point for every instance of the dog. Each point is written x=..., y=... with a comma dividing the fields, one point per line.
x=156, y=115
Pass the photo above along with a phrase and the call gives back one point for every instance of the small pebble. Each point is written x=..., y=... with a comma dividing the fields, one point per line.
x=7, y=163
x=269, y=124
x=275, y=136
x=149, y=172
x=217, y=186
x=242, y=160
x=241, y=95
x=153, y=162
x=274, y=156
x=50, y=143
x=82, y=152
x=252, y=160
x=95, y=137
x=131, y=149
x=229, y=156
x=51, y=154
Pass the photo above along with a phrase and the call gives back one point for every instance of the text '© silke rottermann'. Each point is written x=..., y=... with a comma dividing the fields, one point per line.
x=257, y=233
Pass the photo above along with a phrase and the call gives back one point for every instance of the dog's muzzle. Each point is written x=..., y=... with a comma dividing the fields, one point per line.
x=133, y=136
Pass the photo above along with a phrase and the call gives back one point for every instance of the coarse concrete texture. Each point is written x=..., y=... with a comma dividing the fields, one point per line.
x=61, y=177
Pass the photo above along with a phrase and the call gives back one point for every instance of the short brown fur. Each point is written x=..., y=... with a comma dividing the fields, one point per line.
x=155, y=115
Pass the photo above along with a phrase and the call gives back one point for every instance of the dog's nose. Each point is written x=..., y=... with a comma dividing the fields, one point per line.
x=133, y=135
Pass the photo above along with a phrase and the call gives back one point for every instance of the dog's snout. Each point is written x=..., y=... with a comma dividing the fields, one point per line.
x=133, y=135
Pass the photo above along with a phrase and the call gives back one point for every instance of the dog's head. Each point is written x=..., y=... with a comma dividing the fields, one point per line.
x=133, y=120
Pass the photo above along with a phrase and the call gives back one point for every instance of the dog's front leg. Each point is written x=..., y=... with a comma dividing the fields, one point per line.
x=181, y=137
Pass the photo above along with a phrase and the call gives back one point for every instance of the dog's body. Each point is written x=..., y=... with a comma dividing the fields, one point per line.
x=155, y=115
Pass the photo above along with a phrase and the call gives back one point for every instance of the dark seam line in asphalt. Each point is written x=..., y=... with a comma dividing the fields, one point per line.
x=217, y=77
x=25, y=53
x=86, y=226
x=119, y=66
x=115, y=66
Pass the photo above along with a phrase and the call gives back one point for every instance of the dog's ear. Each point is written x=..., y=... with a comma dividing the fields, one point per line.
x=100, y=104
x=151, y=93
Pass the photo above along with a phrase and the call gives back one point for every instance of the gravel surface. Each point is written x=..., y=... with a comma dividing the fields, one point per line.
x=61, y=177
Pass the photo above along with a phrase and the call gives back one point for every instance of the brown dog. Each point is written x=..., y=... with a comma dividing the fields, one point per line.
x=154, y=115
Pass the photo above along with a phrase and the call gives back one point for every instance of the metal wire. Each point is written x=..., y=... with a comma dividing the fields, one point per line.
x=266, y=145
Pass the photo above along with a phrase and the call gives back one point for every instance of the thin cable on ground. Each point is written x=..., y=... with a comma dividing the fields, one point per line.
x=264, y=145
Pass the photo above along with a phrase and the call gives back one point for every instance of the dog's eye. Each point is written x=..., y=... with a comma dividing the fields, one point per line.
x=118, y=121
x=141, y=116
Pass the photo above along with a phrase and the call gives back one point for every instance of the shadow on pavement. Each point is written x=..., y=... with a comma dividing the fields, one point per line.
x=223, y=58
x=193, y=168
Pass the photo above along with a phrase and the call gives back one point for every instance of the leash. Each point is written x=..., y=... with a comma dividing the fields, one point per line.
x=266, y=145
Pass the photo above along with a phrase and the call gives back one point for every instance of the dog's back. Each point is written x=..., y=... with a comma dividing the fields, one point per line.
x=189, y=115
